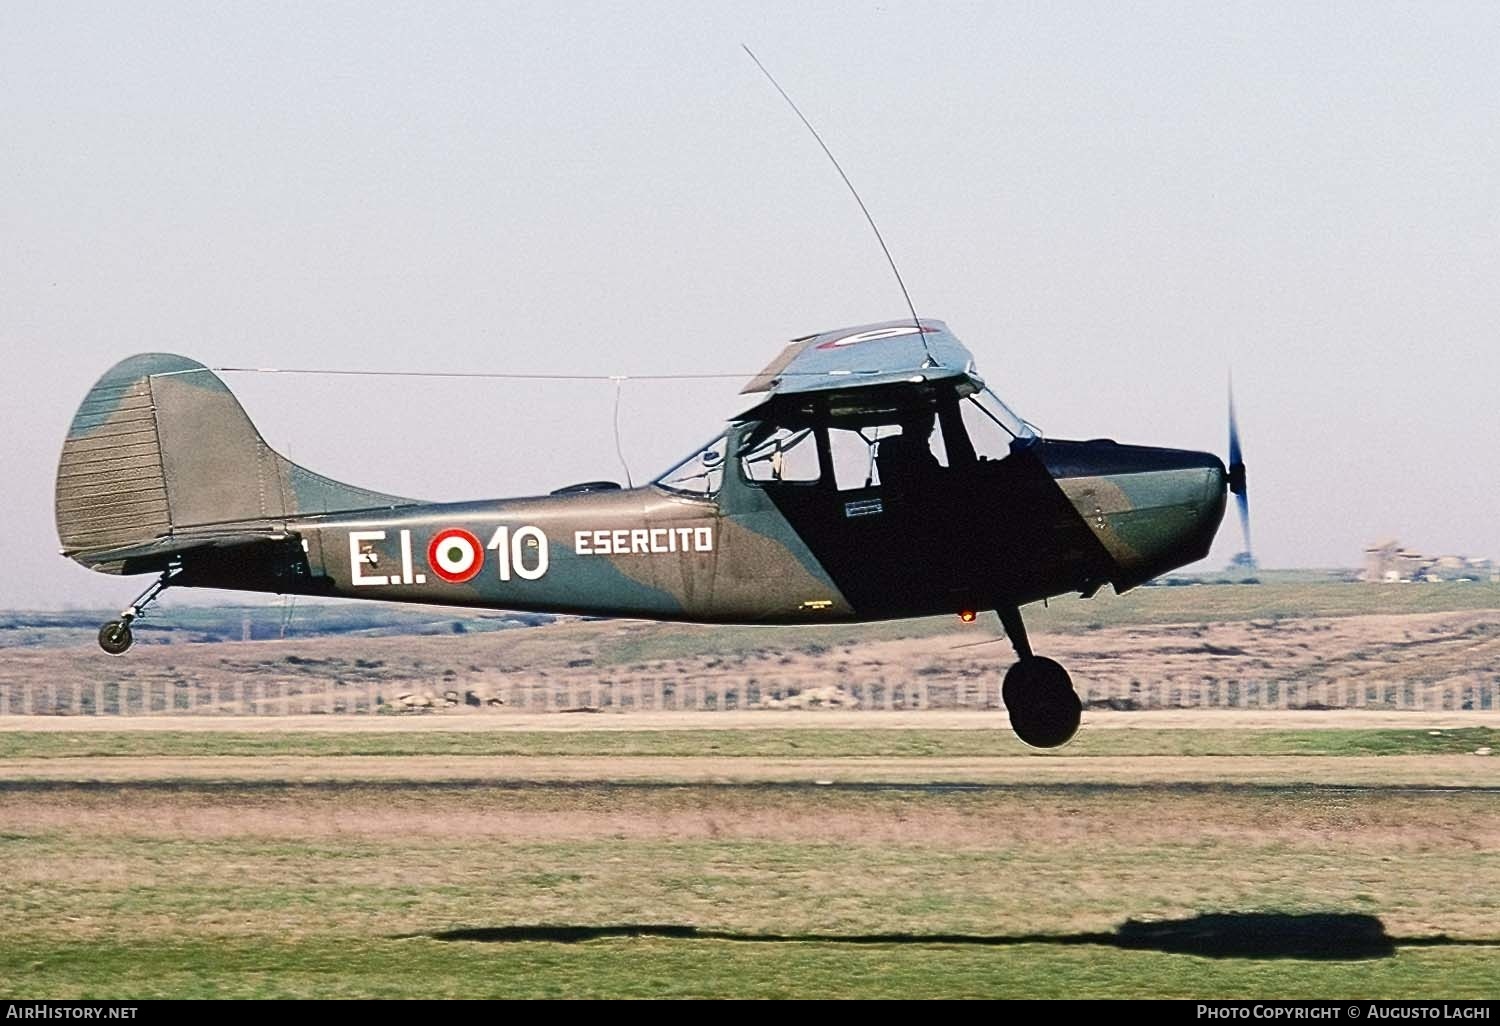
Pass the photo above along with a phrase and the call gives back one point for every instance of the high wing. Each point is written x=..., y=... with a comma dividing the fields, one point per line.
x=885, y=354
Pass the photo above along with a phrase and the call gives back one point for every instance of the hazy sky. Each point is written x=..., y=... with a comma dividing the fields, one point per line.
x=1110, y=203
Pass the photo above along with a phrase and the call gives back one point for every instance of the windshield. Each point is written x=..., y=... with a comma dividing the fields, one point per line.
x=989, y=403
x=701, y=474
x=994, y=431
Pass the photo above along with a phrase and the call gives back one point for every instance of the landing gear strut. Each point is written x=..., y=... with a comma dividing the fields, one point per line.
x=115, y=637
x=1038, y=693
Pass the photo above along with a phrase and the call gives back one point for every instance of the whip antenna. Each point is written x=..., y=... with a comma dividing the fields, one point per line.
x=852, y=191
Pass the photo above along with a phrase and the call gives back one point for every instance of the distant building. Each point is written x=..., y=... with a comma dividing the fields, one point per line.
x=1379, y=558
x=1387, y=562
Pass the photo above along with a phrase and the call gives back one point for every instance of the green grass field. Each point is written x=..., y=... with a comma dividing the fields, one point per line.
x=186, y=888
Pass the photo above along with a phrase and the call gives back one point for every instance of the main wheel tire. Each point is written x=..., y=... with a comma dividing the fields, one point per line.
x=115, y=637
x=1044, y=709
x=1034, y=678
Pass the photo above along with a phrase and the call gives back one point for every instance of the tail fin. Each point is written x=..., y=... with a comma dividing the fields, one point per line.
x=160, y=456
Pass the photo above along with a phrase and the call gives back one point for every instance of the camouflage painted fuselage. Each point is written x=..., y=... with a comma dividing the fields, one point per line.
x=1062, y=517
x=162, y=471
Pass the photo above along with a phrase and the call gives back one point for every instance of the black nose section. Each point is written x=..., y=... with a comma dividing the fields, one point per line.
x=1106, y=458
x=1218, y=480
x=1152, y=510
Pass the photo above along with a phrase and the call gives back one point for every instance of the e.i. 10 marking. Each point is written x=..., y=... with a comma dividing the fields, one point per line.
x=456, y=557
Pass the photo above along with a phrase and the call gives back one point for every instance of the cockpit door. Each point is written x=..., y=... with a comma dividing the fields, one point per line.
x=766, y=569
x=866, y=504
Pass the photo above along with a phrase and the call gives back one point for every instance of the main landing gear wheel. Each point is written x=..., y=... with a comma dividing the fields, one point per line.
x=1037, y=692
x=1044, y=708
x=115, y=637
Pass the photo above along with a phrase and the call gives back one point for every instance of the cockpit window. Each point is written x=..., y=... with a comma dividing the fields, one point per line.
x=701, y=474
x=785, y=454
x=874, y=454
x=853, y=451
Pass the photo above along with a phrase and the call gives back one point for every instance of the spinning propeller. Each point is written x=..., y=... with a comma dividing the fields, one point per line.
x=1245, y=558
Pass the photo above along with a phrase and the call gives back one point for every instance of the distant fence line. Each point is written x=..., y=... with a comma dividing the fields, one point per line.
x=279, y=698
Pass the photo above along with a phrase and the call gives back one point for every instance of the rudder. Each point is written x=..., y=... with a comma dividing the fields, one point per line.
x=111, y=486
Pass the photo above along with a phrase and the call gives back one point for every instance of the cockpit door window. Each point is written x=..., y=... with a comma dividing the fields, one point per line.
x=868, y=456
x=781, y=454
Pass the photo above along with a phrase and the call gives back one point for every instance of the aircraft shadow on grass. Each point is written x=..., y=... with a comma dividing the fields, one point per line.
x=1322, y=936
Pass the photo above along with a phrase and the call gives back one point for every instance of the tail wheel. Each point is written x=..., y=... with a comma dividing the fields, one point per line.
x=115, y=637
x=1044, y=709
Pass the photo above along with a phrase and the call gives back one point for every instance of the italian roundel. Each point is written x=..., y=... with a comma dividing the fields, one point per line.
x=455, y=555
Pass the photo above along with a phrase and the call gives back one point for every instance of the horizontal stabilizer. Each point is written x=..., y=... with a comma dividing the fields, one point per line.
x=160, y=552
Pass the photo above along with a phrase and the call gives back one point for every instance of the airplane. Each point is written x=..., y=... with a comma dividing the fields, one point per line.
x=874, y=476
